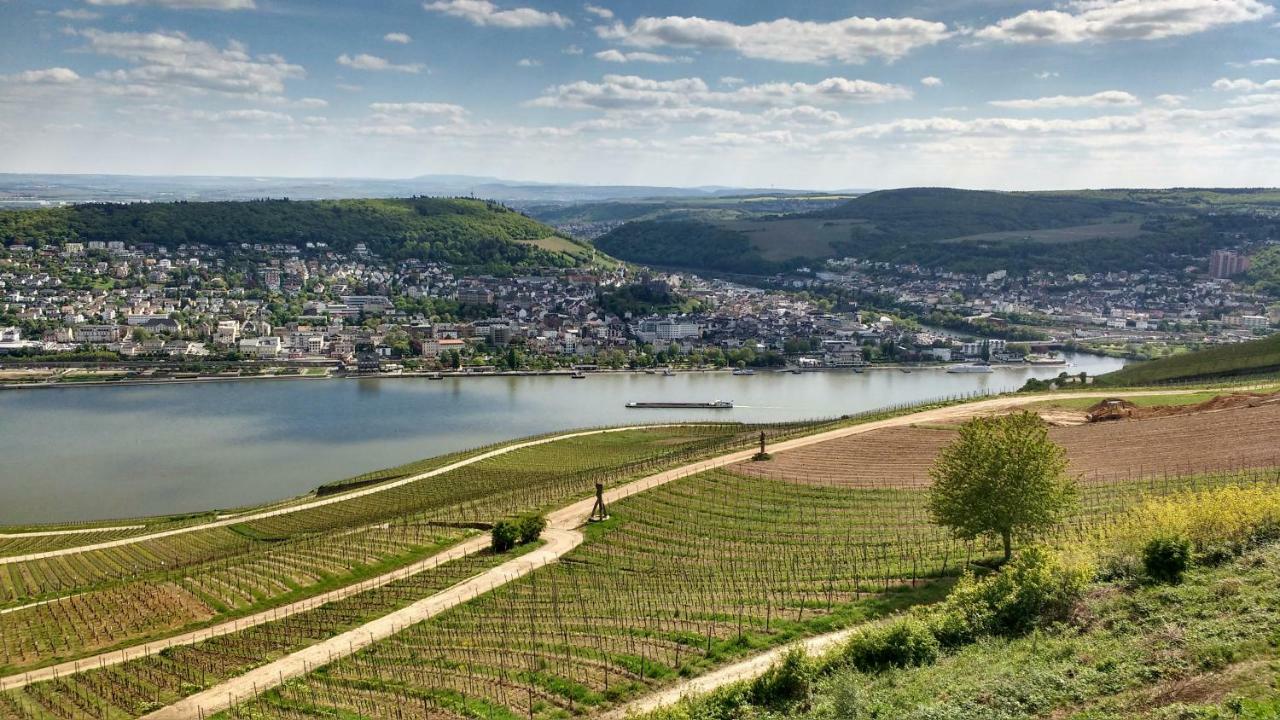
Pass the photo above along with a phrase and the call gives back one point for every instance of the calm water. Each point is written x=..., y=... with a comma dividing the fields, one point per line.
x=86, y=453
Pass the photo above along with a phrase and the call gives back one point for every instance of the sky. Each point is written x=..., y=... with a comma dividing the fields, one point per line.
x=780, y=93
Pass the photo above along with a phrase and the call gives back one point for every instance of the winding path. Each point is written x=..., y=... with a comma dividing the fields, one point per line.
x=562, y=535
x=225, y=520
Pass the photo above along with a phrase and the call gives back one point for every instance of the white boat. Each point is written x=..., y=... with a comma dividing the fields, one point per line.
x=578, y=375
x=976, y=367
x=668, y=372
x=744, y=371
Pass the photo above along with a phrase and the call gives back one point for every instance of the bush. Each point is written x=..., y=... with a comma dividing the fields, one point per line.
x=531, y=527
x=784, y=684
x=504, y=536
x=1165, y=559
x=1036, y=587
x=908, y=642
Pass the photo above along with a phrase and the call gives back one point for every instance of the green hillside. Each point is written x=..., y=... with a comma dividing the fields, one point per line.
x=1243, y=359
x=464, y=232
x=965, y=231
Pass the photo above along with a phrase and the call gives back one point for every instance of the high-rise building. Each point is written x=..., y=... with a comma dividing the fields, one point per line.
x=1227, y=263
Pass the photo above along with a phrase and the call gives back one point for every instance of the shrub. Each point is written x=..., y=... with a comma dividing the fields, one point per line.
x=1219, y=523
x=908, y=642
x=786, y=683
x=504, y=535
x=1165, y=559
x=1037, y=587
x=531, y=527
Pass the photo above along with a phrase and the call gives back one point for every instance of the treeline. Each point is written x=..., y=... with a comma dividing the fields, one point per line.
x=459, y=231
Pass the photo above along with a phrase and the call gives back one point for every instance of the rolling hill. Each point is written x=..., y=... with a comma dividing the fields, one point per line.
x=1241, y=360
x=959, y=230
x=463, y=232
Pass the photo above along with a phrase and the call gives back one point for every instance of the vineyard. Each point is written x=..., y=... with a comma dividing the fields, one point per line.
x=113, y=597
x=681, y=578
x=1234, y=439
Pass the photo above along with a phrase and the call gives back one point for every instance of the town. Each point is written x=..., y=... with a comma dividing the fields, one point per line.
x=309, y=306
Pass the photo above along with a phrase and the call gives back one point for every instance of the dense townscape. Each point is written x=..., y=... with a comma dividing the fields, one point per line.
x=309, y=304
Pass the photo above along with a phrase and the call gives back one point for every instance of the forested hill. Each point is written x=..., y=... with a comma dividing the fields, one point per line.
x=939, y=213
x=966, y=231
x=463, y=232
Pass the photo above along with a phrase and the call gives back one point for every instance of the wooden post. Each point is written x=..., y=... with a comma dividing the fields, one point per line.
x=761, y=443
x=599, y=512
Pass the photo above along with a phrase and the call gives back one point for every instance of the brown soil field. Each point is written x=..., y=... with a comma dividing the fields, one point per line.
x=1178, y=444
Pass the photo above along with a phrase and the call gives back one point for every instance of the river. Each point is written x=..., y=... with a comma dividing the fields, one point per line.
x=81, y=453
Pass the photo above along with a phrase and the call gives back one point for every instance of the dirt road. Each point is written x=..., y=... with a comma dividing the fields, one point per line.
x=249, y=517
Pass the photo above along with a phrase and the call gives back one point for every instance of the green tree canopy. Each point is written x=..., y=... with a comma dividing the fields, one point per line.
x=1004, y=477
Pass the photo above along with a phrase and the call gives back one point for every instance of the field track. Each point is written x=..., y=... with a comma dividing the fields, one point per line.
x=563, y=536
x=236, y=519
x=1234, y=439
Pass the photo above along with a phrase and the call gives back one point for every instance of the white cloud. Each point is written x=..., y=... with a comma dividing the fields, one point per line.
x=617, y=56
x=600, y=12
x=572, y=50
x=1103, y=20
x=1169, y=100
x=528, y=62
x=616, y=92
x=1107, y=98
x=1264, y=61
x=78, y=14
x=731, y=81
x=250, y=115
x=852, y=40
x=1245, y=85
x=174, y=60
x=47, y=76
x=803, y=115
x=992, y=127
x=364, y=61
x=1046, y=75
x=931, y=81
x=183, y=4
x=418, y=109
x=485, y=13
x=397, y=37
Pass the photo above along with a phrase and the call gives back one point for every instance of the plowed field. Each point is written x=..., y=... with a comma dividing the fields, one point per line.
x=1238, y=438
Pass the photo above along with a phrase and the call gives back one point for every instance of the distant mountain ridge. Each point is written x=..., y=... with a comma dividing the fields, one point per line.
x=33, y=189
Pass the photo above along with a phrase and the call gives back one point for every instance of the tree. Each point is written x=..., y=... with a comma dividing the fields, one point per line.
x=1003, y=476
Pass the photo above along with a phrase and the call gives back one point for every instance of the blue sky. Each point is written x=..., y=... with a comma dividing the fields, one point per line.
x=973, y=93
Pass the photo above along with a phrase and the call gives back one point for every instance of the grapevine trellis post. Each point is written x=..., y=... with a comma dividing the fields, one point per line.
x=599, y=512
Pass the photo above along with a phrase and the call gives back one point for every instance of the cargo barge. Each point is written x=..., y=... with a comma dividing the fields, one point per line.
x=714, y=405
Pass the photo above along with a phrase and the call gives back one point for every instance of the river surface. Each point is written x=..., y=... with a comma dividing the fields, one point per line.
x=81, y=453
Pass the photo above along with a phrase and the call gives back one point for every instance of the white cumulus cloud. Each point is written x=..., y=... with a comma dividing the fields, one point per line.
x=373, y=63
x=617, y=56
x=485, y=13
x=398, y=38
x=175, y=60
x=47, y=76
x=931, y=81
x=1107, y=98
x=1103, y=20
x=853, y=40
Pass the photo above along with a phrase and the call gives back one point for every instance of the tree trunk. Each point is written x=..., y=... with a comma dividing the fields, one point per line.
x=1007, y=537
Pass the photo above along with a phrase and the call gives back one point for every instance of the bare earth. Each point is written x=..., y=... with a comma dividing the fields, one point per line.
x=1235, y=438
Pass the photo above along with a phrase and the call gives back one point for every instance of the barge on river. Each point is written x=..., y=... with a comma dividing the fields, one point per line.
x=713, y=405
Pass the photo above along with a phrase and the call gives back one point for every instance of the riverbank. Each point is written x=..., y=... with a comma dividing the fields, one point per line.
x=54, y=382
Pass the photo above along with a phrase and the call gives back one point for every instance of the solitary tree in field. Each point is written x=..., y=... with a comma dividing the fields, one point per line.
x=1003, y=476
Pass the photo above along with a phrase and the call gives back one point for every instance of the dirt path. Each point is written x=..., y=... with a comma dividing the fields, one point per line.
x=249, y=517
x=563, y=536
x=462, y=549
x=748, y=669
